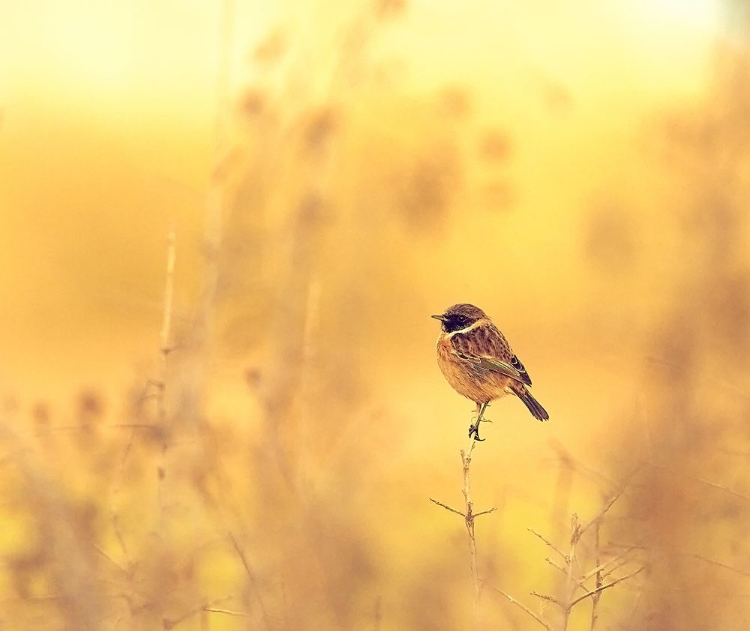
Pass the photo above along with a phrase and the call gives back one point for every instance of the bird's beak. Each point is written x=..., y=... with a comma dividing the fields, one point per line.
x=440, y=317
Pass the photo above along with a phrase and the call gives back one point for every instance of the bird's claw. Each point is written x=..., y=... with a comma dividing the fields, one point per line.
x=474, y=431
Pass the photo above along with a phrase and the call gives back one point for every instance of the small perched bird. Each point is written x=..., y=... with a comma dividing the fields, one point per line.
x=478, y=363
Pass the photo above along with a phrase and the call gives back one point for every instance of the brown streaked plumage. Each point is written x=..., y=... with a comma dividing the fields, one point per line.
x=478, y=362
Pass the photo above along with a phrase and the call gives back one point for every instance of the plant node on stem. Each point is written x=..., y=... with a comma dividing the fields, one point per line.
x=468, y=513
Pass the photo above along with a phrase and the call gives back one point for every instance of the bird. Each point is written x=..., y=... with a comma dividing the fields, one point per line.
x=478, y=363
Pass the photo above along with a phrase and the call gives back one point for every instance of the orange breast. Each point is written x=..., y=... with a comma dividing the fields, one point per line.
x=475, y=383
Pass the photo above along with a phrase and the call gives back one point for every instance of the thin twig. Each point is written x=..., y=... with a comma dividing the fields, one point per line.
x=555, y=565
x=548, y=598
x=601, y=513
x=603, y=587
x=523, y=607
x=619, y=560
x=576, y=531
x=708, y=483
x=485, y=512
x=621, y=563
x=446, y=507
x=164, y=350
x=110, y=559
x=599, y=579
x=170, y=623
x=114, y=506
x=228, y=612
x=166, y=324
x=251, y=576
x=548, y=542
x=692, y=555
x=469, y=515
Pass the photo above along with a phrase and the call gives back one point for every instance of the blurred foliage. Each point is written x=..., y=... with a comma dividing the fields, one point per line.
x=348, y=199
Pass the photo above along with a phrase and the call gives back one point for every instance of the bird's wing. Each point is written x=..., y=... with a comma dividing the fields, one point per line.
x=516, y=363
x=487, y=348
x=515, y=370
x=501, y=352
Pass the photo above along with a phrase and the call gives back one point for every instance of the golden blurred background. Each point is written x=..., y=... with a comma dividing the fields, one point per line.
x=334, y=174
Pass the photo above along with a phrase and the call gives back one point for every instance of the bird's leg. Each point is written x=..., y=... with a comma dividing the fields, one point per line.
x=474, y=428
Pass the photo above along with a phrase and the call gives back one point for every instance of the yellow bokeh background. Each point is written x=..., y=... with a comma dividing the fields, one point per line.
x=334, y=174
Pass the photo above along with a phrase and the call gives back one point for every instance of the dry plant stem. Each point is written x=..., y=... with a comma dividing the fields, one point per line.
x=601, y=514
x=446, y=507
x=115, y=495
x=549, y=599
x=547, y=541
x=251, y=577
x=617, y=561
x=164, y=352
x=468, y=514
x=570, y=582
x=170, y=623
x=692, y=555
x=167, y=323
x=227, y=612
x=214, y=211
x=159, y=384
x=600, y=589
x=524, y=608
x=599, y=582
x=576, y=580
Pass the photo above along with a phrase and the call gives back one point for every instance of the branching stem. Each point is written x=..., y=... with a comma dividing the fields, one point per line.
x=468, y=513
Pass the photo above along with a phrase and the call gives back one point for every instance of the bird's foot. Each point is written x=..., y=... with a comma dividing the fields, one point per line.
x=474, y=431
x=474, y=428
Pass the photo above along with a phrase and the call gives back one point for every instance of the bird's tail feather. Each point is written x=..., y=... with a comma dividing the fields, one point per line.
x=530, y=402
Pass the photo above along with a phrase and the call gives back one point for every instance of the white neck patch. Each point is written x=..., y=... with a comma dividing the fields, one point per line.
x=471, y=327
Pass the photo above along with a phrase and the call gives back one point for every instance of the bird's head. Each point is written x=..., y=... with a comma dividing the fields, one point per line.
x=460, y=317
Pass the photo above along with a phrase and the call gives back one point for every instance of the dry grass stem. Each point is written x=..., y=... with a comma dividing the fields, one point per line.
x=171, y=623
x=251, y=578
x=601, y=588
x=550, y=599
x=164, y=353
x=575, y=579
x=469, y=515
x=602, y=513
x=618, y=561
x=570, y=560
x=713, y=485
x=547, y=541
x=524, y=608
x=166, y=324
x=227, y=612
x=599, y=578
x=446, y=507
x=555, y=565
x=691, y=555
